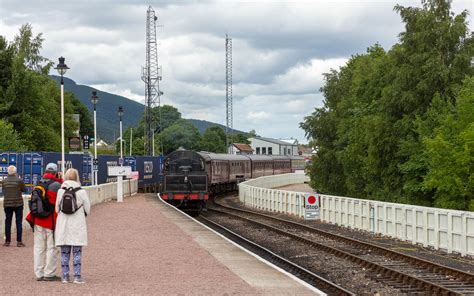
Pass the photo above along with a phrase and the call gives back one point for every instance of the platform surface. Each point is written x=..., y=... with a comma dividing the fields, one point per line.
x=144, y=247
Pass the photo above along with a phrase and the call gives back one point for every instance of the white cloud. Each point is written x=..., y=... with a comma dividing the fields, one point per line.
x=257, y=116
x=280, y=50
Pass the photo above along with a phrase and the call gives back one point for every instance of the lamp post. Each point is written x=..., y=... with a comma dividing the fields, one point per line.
x=95, y=100
x=120, y=114
x=62, y=68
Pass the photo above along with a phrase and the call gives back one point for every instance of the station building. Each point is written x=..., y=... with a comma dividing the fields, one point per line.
x=269, y=146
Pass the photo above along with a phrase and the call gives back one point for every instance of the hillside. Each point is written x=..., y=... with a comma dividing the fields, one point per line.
x=107, y=118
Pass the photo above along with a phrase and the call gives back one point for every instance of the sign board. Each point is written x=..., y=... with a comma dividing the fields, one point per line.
x=85, y=142
x=311, y=206
x=120, y=171
x=74, y=143
x=135, y=175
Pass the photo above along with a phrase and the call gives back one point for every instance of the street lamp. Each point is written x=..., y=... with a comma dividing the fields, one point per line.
x=95, y=100
x=120, y=114
x=62, y=68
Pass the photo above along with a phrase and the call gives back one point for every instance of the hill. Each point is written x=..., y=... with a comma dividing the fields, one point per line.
x=202, y=125
x=107, y=118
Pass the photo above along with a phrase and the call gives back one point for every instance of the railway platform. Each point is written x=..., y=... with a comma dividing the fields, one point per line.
x=143, y=247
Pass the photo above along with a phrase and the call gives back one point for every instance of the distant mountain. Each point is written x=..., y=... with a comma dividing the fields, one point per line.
x=107, y=118
x=202, y=125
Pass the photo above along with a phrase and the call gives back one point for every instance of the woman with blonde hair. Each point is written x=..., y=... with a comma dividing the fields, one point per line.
x=72, y=206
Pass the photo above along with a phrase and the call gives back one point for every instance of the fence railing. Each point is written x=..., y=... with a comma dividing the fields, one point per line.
x=442, y=229
x=97, y=194
x=258, y=193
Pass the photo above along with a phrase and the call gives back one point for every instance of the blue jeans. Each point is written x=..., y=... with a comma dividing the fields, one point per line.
x=76, y=260
x=8, y=222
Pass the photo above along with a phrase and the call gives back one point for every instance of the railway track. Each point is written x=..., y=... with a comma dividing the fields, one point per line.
x=404, y=272
x=300, y=272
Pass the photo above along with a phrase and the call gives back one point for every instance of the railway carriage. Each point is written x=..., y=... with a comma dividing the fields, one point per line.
x=281, y=165
x=262, y=165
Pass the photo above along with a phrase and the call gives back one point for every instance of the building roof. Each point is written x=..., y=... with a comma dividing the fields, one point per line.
x=274, y=141
x=290, y=141
x=243, y=147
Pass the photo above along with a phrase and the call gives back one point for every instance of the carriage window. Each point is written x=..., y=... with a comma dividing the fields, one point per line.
x=270, y=150
x=264, y=150
x=258, y=150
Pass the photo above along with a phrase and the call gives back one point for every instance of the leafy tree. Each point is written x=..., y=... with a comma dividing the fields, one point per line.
x=239, y=138
x=9, y=138
x=214, y=140
x=380, y=106
x=450, y=154
x=29, y=99
x=180, y=134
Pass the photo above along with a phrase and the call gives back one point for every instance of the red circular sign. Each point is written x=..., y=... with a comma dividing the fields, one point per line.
x=311, y=199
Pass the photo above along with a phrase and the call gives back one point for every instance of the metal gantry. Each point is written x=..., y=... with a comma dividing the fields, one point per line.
x=228, y=87
x=151, y=76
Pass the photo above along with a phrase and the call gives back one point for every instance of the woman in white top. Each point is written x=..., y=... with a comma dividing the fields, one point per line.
x=71, y=229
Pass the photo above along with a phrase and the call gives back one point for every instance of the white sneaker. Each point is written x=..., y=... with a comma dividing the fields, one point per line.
x=65, y=280
x=79, y=281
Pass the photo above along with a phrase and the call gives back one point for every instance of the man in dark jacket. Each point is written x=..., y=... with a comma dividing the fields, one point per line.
x=12, y=188
x=45, y=253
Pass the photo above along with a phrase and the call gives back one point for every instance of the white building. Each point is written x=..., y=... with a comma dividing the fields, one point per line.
x=270, y=146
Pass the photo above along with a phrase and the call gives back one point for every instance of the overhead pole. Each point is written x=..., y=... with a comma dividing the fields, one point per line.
x=151, y=75
x=228, y=88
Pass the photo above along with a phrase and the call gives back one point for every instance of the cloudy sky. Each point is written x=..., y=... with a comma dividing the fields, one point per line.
x=280, y=50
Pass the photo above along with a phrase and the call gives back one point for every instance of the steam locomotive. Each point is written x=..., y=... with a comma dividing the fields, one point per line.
x=190, y=178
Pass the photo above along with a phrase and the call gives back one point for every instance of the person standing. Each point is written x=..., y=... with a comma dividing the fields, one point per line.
x=71, y=228
x=13, y=187
x=45, y=253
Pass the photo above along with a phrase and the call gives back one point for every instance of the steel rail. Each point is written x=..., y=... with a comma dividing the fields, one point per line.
x=395, y=275
x=300, y=272
x=433, y=267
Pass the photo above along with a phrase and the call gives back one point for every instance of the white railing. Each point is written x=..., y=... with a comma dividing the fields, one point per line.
x=97, y=194
x=441, y=229
x=258, y=193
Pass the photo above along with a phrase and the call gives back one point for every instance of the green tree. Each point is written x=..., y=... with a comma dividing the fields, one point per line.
x=450, y=154
x=180, y=134
x=239, y=138
x=214, y=140
x=9, y=138
x=380, y=106
x=30, y=100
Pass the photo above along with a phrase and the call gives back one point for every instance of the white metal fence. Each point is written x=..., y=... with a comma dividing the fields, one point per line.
x=258, y=193
x=447, y=230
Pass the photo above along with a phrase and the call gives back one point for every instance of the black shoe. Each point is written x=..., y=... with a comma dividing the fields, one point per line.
x=6, y=244
x=53, y=278
x=39, y=279
x=20, y=244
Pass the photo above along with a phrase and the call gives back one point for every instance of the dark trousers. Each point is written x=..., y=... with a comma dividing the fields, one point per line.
x=8, y=222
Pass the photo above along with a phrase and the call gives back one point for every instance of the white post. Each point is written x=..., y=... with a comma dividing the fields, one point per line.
x=62, y=128
x=131, y=140
x=95, y=145
x=119, y=188
x=153, y=140
x=121, y=151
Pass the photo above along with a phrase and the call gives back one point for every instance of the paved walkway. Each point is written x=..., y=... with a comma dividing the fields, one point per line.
x=141, y=247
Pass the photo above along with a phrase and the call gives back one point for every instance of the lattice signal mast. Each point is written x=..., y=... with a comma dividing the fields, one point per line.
x=151, y=75
x=228, y=86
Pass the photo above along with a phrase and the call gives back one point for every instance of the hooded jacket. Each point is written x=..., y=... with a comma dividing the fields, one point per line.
x=71, y=229
x=51, y=193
